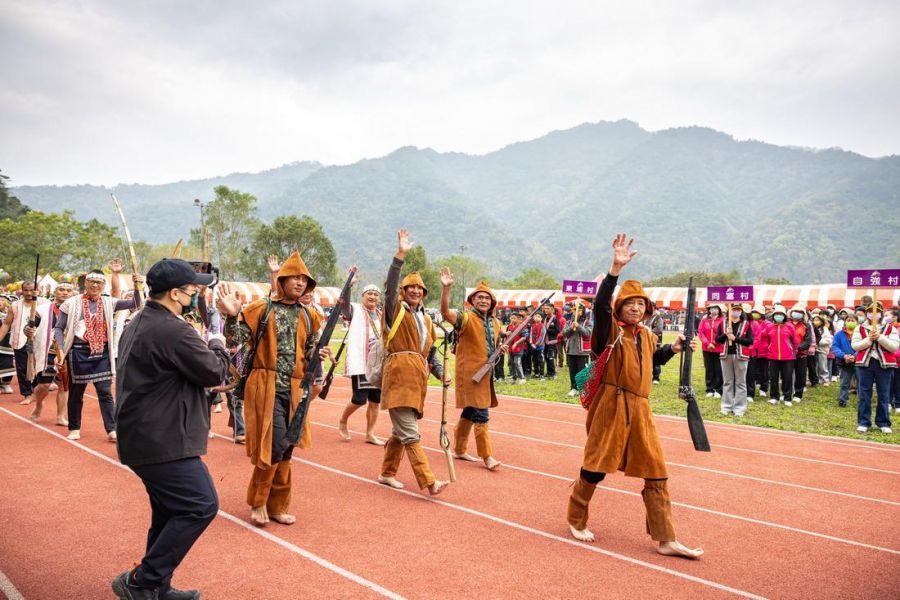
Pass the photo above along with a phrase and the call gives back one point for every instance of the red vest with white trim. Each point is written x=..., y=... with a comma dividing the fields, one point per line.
x=890, y=358
x=742, y=352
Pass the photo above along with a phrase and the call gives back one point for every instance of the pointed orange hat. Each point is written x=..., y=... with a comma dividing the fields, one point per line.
x=632, y=288
x=293, y=267
x=483, y=287
x=414, y=279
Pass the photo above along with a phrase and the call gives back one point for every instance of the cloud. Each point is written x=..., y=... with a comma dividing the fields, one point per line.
x=110, y=92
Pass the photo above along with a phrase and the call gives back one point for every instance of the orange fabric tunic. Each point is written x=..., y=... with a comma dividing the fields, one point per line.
x=621, y=432
x=471, y=354
x=259, y=392
x=405, y=377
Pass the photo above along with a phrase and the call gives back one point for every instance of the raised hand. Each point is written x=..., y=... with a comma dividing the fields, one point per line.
x=403, y=243
x=115, y=265
x=446, y=277
x=622, y=252
x=274, y=265
x=228, y=302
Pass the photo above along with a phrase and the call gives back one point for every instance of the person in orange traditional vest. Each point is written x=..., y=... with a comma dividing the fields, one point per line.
x=736, y=335
x=410, y=355
x=479, y=336
x=364, y=329
x=876, y=347
x=272, y=391
x=621, y=434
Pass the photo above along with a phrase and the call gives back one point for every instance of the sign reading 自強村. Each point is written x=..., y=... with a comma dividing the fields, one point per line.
x=574, y=287
x=729, y=293
x=873, y=278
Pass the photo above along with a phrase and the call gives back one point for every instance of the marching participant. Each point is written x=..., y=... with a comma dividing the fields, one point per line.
x=577, y=335
x=279, y=331
x=409, y=337
x=84, y=333
x=365, y=327
x=479, y=336
x=620, y=428
x=50, y=369
x=16, y=321
x=7, y=363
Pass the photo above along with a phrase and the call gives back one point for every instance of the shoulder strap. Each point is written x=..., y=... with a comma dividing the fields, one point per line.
x=395, y=326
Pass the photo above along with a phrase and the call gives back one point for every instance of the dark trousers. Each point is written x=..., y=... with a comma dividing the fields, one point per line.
x=874, y=378
x=812, y=370
x=657, y=368
x=499, y=372
x=761, y=373
x=783, y=370
x=281, y=418
x=895, y=389
x=751, y=377
x=526, y=361
x=799, y=376
x=26, y=387
x=236, y=408
x=537, y=362
x=183, y=502
x=713, y=368
x=550, y=360
x=576, y=363
x=104, y=395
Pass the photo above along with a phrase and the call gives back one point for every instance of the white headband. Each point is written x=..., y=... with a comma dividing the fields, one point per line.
x=95, y=277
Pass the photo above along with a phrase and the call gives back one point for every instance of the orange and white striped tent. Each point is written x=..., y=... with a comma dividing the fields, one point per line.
x=837, y=294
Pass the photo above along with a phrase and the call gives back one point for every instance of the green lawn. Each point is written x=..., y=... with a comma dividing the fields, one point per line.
x=818, y=412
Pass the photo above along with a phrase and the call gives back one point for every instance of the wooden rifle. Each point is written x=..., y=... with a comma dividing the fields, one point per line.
x=330, y=377
x=685, y=387
x=31, y=368
x=295, y=427
x=444, y=438
x=495, y=356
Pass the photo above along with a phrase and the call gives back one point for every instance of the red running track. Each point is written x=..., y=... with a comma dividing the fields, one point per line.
x=780, y=515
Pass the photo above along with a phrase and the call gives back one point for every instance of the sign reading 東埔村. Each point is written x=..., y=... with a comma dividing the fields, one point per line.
x=729, y=293
x=873, y=278
x=575, y=287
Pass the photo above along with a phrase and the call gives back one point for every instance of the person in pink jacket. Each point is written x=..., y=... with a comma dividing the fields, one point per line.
x=782, y=352
x=758, y=369
x=711, y=350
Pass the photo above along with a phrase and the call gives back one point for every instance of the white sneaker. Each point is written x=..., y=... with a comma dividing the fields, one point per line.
x=75, y=434
x=6, y=389
x=709, y=394
x=897, y=410
x=862, y=429
x=655, y=382
x=796, y=399
x=111, y=436
x=572, y=393
x=886, y=430
x=523, y=381
x=773, y=401
x=717, y=395
x=788, y=403
x=762, y=393
x=749, y=399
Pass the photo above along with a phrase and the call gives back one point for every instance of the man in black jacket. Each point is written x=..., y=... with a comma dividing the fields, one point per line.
x=163, y=424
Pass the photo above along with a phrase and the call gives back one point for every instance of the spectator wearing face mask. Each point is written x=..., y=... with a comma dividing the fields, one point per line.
x=736, y=337
x=803, y=341
x=711, y=350
x=876, y=346
x=893, y=317
x=822, y=332
x=845, y=357
x=782, y=352
x=758, y=366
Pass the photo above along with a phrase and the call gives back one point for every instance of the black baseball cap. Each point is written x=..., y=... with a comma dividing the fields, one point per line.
x=170, y=273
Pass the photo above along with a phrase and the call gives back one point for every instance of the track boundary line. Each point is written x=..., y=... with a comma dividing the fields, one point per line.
x=9, y=590
x=318, y=560
x=681, y=504
x=706, y=470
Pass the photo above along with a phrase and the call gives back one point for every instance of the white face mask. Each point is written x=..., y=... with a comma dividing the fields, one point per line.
x=796, y=316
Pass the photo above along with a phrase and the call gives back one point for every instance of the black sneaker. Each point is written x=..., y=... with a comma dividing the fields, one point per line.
x=173, y=594
x=125, y=588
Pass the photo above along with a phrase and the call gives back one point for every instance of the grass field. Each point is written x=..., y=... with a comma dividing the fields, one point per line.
x=818, y=413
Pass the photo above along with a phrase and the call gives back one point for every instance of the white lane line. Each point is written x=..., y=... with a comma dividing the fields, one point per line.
x=8, y=589
x=538, y=532
x=228, y=516
x=681, y=504
x=704, y=469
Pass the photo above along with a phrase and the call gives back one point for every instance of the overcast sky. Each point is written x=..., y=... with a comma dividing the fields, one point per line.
x=155, y=91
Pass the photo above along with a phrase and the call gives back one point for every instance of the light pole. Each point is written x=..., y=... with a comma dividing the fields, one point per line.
x=462, y=253
x=204, y=237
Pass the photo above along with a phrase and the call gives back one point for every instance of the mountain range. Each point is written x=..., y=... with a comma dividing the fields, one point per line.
x=694, y=198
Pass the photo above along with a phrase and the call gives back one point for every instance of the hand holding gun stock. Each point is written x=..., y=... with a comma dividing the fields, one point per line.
x=295, y=428
x=685, y=389
x=495, y=356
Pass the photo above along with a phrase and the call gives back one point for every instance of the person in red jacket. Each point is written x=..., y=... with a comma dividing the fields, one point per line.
x=782, y=352
x=803, y=343
x=758, y=370
x=711, y=350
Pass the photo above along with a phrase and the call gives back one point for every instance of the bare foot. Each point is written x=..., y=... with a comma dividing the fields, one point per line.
x=678, y=549
x=25, y=401
x=342, y=430
x=259, y=515
x=492, y=463
x=36, y=412
x=437, y=487
x=390, y=482
x=284, y=519
x=465, y=456
x=374, y=440
x=582, y=535
x=62, y=421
